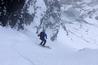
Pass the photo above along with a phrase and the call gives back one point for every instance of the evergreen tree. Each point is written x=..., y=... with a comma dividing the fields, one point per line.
x=14, y=13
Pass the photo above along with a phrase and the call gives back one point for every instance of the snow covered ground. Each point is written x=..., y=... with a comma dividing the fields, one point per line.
x=21, y=48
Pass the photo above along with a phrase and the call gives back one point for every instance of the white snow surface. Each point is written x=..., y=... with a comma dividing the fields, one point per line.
x=80, y=47
x=21, y=48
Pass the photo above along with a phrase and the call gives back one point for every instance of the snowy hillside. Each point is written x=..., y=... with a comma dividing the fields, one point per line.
x=21, y=48
x=77, y=20
x=71, y=27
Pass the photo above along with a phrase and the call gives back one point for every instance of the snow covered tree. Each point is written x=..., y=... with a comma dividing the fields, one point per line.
x=59, y=13
x=51, y=18
x=15, y=13
x=10, y=11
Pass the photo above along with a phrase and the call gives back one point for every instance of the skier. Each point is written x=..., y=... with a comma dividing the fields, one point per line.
x=43, y=37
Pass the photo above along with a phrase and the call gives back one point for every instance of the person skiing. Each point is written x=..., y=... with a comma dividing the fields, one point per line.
x=43, y=37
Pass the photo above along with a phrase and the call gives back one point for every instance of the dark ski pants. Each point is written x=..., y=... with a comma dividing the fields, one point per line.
x=43, y=42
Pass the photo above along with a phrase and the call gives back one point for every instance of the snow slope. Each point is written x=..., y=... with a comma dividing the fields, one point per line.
x=85, y=37
x=81, y=35
x=21, y=48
